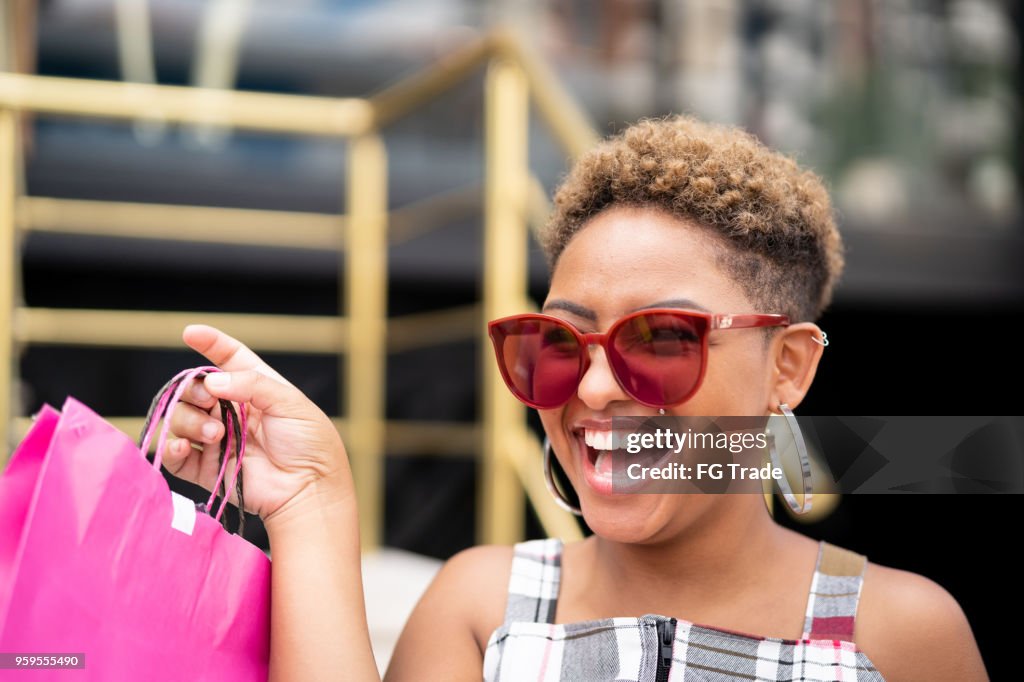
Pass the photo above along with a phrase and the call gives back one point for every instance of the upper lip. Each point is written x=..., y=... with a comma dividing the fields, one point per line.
x=605, y=424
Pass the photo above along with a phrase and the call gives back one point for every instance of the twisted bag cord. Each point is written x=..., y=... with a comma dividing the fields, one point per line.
x=232, y=424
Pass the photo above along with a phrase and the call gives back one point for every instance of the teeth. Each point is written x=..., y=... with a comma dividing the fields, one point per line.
x=599, y=440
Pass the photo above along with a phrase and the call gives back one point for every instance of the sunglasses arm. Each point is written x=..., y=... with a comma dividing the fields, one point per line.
x=746, y=321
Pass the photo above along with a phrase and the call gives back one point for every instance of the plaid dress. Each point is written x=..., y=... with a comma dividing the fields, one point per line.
x=653, y=648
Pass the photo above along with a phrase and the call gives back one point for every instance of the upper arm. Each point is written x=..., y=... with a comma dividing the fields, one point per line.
x=444, y=635
x=913, y=629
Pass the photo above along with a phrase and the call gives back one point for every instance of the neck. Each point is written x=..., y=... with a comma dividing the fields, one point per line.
x=716, y=556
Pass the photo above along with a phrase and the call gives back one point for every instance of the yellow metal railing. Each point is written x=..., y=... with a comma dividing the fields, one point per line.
x=364, y=293
x=506, y=129
x=512, y=198
x=9, y=271
x=173, y=222
x=272, y=113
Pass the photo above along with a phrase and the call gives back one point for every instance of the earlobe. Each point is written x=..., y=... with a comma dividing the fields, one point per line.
x=796, y=352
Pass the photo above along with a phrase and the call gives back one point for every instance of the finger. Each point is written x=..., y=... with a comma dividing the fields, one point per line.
x=210, y=466
x=181, y=459
x=192, y=462
x=226, y=352
x=193, y=424
x=196, y=394
x=210, y=477
x=265, y=393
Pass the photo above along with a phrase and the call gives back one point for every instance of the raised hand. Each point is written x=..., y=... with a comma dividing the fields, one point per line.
x=291, y=442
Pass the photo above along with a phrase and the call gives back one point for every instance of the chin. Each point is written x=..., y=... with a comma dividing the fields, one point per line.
x=632, y=519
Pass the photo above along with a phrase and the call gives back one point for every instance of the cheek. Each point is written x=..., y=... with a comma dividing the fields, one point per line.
x=551, y=420
x=735, y=381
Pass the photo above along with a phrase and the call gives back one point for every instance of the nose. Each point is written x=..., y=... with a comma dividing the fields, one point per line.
x=598, y=386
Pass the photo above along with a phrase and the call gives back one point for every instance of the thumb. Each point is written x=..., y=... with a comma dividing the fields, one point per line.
x=269, y=396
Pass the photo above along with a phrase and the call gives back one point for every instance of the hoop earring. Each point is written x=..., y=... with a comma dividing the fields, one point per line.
x=549, y=479
x=805, y=464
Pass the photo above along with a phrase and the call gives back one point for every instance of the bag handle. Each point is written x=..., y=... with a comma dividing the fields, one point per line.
x=235, y=423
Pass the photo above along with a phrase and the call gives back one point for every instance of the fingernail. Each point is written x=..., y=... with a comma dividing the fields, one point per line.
x=210, y=429
x=219, y=380
x=200, y=392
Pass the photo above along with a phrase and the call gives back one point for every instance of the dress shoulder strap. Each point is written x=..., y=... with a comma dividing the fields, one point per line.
x=835, y=591
x=533, y=583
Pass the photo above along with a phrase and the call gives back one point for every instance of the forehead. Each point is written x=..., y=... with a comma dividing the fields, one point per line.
x=625, y=258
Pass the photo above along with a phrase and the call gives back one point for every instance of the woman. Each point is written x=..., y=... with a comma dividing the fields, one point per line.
x=675, y=216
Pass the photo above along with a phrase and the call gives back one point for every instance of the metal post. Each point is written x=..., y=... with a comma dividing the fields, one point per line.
x=501, y=502
x=8, y=276
x=365, y=296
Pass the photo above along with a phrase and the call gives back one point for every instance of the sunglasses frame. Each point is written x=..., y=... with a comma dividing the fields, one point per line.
x=712, y=321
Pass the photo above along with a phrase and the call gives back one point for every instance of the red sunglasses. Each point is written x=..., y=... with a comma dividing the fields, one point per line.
x=658, y=355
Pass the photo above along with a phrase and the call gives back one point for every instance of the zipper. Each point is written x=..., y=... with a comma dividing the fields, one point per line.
x=666, y=637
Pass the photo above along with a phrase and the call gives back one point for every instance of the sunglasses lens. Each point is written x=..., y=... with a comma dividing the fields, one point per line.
x=658, y=357
x=540, y=360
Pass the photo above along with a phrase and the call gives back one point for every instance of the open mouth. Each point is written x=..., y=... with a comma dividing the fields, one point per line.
x=604, y=460
x=599, y=450
x=603, y=453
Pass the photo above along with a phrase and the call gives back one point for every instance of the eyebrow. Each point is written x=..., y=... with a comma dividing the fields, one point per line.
x=588, y=314
x=684, y=303
x=569, y=306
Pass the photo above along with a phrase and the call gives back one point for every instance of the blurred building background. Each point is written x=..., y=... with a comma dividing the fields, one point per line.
x=910, y=108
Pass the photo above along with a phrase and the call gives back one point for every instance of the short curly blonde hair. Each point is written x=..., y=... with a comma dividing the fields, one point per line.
x=774, y=218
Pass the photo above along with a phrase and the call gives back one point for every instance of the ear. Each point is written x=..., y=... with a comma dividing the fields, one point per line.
x=796, y=351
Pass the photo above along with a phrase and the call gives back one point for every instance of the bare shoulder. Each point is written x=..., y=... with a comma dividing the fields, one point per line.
x=447, y=632
x=913, y=629
x=476, y=580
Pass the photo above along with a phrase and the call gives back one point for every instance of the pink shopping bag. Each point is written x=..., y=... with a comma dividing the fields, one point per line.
x=99, y=558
